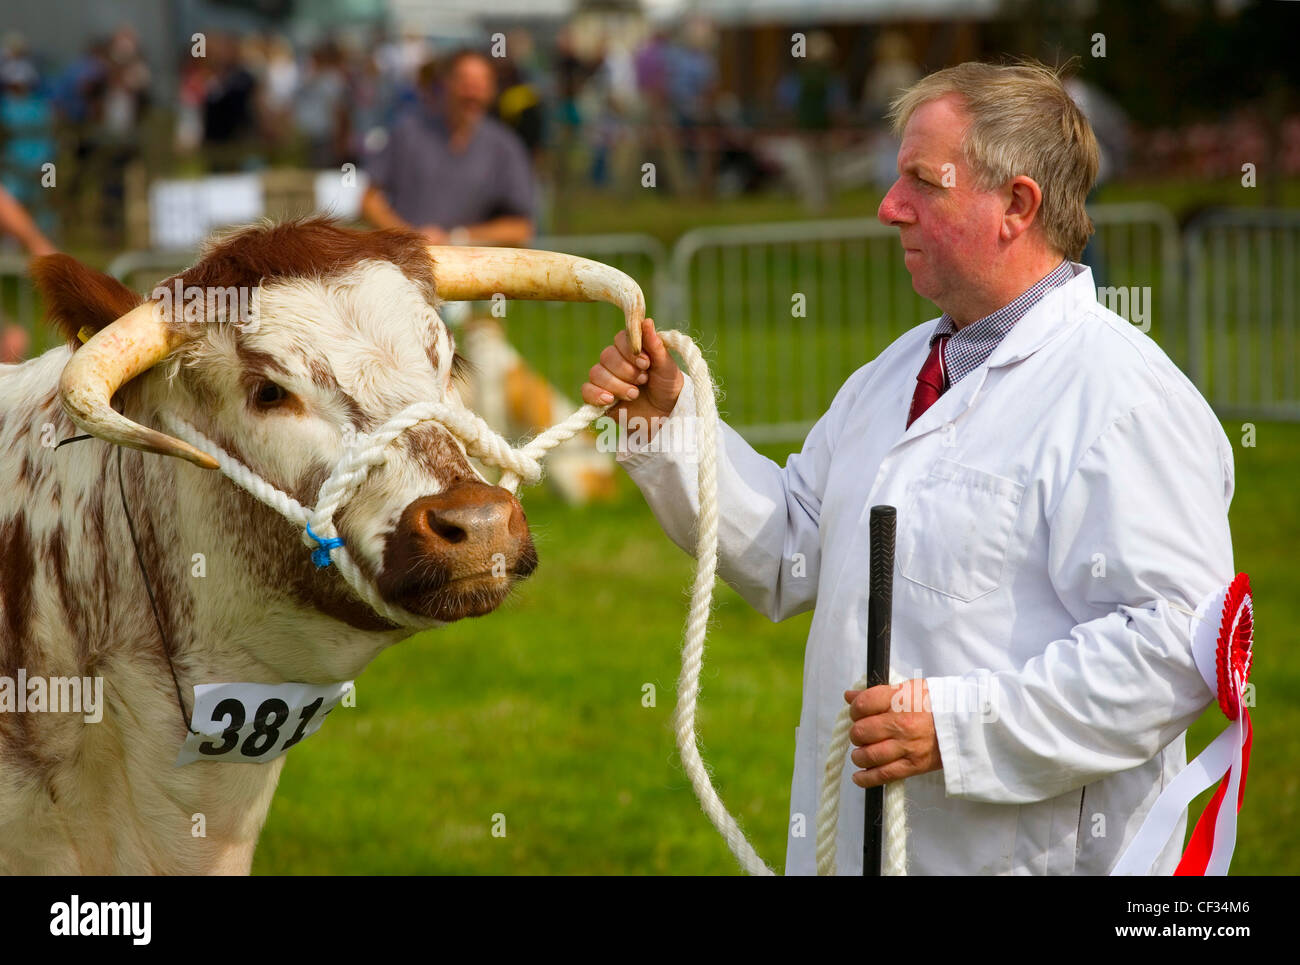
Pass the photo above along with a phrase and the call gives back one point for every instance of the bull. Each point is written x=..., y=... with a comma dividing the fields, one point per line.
x=101, y=541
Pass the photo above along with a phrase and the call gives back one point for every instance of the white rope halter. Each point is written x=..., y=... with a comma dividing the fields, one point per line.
x=523, y=464
x=370, y=450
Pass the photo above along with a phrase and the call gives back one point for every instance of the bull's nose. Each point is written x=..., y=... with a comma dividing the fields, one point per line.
x=469, y=520
x=473, y=532
x=453, y=520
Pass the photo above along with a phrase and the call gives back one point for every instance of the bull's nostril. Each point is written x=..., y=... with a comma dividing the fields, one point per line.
x=445, y=529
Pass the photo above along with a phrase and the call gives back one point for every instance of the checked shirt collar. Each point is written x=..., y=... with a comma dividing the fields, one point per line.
x=969, y=347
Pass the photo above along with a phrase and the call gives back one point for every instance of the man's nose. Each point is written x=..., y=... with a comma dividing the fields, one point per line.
x=890, y=211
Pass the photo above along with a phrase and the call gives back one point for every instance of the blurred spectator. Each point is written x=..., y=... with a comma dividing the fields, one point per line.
x=813, y=95
x=116, y=137
x=26, y=123
x=320, y=107
x=572, y=71
x=404, y=58
x=651, y=63
x=372, y=91
x=452, y=172
x=79, y=88
x=652, y=68
x=277, y=80
x=520, y=105
x=894, y=71
x=692, y=77
x=229, y=119
x=126, y=90
x=813, y=92
x=740, y=170
x=15, y=222
x=191, y=96
x=609, y=104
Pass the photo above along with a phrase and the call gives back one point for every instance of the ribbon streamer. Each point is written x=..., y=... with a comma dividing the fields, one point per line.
x=1221, y=644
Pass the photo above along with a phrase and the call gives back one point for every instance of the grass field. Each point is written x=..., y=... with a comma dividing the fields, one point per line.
x=536, y=713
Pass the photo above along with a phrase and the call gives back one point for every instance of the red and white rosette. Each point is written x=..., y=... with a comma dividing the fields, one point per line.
x=1222, y=631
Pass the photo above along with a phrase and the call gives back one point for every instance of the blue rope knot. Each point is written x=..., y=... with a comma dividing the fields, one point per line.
x=321, y=555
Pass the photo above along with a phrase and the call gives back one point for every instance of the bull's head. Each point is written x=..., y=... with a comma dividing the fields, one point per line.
x=343, y=333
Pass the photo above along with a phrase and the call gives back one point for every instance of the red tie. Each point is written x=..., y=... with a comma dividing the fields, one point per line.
x=930, y=382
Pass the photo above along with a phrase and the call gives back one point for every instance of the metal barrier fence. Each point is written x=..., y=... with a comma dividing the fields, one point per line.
x=1136, y=264
x=785, y=312
x=1242, y=278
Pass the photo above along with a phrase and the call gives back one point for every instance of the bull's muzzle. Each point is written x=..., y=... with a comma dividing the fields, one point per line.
x=458, y=553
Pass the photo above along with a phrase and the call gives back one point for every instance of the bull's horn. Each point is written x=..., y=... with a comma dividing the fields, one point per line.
x=470, y=274
x=112, y=357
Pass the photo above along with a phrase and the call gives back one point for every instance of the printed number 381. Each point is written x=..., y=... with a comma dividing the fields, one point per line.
x=270, y=717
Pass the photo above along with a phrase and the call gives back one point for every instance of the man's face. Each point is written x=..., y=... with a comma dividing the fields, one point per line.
x=949, y=230
x=471, y=88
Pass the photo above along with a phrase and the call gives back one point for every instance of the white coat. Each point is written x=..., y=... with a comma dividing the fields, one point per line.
x=1061, y=512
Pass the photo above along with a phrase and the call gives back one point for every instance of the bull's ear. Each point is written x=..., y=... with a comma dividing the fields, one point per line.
x=79, y=299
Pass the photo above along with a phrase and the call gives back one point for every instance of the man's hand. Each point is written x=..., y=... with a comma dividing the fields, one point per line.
x=435, y=235
x=647, y=384
x=893, y=733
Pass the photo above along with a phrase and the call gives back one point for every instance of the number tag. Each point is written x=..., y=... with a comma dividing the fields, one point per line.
x=255, y=723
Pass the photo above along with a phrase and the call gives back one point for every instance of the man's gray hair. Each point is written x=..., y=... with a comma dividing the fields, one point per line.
x=1022, y=122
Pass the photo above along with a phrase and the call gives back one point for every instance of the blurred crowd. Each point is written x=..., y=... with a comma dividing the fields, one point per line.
x=587, y=114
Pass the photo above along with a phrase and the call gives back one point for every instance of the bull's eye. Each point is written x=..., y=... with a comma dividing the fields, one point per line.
x=268, y=394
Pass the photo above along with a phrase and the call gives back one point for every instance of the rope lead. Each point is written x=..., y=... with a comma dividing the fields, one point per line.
x=688, y=684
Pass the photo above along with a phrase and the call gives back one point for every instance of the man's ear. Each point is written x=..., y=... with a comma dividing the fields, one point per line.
x=79, y=299
x=1024, y=198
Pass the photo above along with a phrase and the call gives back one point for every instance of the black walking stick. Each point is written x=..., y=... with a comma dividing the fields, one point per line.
x=879, y=604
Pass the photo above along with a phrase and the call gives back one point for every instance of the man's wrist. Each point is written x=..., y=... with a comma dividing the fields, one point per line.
x=640, y=436
x=458, y=235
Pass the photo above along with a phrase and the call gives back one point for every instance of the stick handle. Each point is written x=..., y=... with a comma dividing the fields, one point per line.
x=879, y=618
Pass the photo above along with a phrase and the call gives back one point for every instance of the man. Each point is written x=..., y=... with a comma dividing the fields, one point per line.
x=1062, y=494
x=457, y=176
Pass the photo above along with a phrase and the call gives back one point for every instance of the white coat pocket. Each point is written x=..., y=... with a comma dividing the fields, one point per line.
x=955, y=530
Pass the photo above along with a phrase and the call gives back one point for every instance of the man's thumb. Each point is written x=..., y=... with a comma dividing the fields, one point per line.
x=654, y=345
